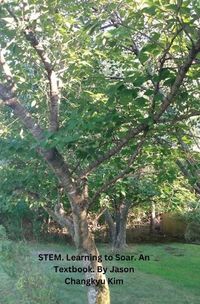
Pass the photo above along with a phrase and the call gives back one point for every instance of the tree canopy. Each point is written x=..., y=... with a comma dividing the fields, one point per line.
x=93, y=92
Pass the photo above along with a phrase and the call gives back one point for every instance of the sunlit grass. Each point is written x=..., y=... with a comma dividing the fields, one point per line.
x=171, y=276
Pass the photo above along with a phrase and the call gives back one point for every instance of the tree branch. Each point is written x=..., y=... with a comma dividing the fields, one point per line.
x=185, y=171
x=52, y=156
x=179, y=118
x=168, y=100
x=162, y=62
x=179, y=79
x=52, y=77
x=182, y=166
x=63, y=221
x=51, y=74
x=122, y=174
x=130, y=135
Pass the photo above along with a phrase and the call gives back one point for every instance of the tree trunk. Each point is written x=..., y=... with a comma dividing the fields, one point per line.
x=120, y=242
x=153, y=218
x=117, y=229
x=84, y=241
x=111, y=227
x=85, y=244
x=97, y=294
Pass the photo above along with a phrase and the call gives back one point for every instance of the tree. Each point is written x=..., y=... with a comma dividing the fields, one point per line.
x=128, y=72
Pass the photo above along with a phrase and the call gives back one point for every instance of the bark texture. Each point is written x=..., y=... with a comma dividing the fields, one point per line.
x=86, y=245
x=117, y=225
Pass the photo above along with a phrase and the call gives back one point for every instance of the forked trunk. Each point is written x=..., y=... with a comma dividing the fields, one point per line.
x=117, y=228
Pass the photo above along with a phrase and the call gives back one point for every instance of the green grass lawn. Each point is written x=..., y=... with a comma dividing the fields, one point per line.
x=172, y=276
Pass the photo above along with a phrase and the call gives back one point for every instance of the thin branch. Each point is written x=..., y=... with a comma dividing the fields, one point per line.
x=62, y=220
x=185, y=171
x=162, y=62
x=101, y=212
x=179, y=79
x=168, y=100
x=51, y=75
x=12, y=15
x=123, y=173
x=182, y=166
x=123, y=142
x=179, y=118
x=180, y=20
x=186, y=116
x=113, y=24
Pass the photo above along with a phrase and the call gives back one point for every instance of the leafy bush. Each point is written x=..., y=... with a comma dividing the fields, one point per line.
x=3, y=234
x=22, y=222
x=192, y=233
x=36, y=287
x=33, y=286
x=194, y=214
x=14, y=257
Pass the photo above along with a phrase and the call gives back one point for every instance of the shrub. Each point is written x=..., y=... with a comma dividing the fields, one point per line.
x=36, y=287
x=3, y=234
x=33, y=286
x=192, y=233
x=194, y=214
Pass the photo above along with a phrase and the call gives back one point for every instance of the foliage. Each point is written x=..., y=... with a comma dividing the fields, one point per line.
x=13, y=256
x=33, y=285
x=96, y=106
x=3, y=234
x=21, y=221
x=193, y=214
x=127, y=77
x=192, y=232
x=36, y=287
x=97, y=89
